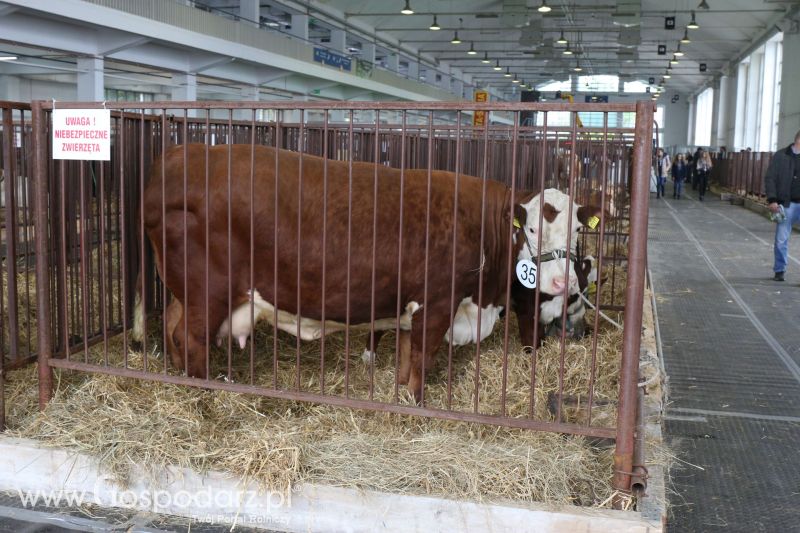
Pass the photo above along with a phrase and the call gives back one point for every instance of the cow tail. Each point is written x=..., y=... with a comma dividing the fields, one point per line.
x=137, y=333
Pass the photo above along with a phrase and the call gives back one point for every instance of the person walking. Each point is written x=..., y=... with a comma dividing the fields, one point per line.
x=703, y=165
x=782, y=184
x=680, y=170
x=662, y=171
x=695, y=159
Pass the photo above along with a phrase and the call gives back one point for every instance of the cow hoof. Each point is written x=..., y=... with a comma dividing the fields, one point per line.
x=368, y=357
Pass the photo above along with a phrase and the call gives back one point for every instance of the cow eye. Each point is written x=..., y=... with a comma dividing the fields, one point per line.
x=532, y=230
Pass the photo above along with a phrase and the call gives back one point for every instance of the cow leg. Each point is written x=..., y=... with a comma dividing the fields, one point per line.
x=173, y=315
x=438, y=322
x=369, y=355
x=524, y=304
x=404, y=368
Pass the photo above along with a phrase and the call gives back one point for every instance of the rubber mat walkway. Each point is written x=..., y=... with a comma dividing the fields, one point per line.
x=731, y=345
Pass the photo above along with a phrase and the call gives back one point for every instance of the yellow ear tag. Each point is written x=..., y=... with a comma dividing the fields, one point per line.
x=592, y=288
x=516, y=223
x=593, y=222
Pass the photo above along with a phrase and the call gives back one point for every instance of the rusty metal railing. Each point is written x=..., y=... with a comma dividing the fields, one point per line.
x=741, y=172
x=18, y=326
x=337, y=233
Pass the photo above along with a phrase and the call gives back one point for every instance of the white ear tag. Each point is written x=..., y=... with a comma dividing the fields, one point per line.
x=526, y=273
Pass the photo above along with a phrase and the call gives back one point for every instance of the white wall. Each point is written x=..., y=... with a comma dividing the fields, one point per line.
x=19, y=89
x=676, y=119
x=789, y=115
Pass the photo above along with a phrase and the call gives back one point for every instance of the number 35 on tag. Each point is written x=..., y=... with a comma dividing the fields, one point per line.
x=526, y=273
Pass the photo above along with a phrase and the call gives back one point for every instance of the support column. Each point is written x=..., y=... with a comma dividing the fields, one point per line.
x=715, y=110
x=90, y=79
x=789, y=107
x=299, y=26
x=721, y=108
x=185, y=89
x=368, y=52
x=338, y=41
x=393, y=62
x=753, y=101
x=690, y=130
x=413, y=69
x=458, y=88
x=250, y=11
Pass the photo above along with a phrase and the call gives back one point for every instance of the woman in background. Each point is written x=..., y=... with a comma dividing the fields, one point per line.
x=680, y=170
x=703, y=168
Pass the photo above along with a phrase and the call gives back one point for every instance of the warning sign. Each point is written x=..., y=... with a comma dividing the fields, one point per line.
x=82, y=134
x=479, y=118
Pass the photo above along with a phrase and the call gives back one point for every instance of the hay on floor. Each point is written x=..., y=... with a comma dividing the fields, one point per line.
x=127, y=422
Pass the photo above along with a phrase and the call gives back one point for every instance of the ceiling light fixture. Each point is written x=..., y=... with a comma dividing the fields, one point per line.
x=455, y=39
x=8, y=58
x=471, y=50
x=515, y=80
x=686, y=39
x=667, y=75
x=486, y=59
x=678, y=52
x=507, y=73
x=435, y=25
x=567, y=51
x=703, y=5
x=544, y=8
x=577, y=67
x=407, y=10
x=692, y=24
x=562, y=39
x=497, y=66
x=674, y=60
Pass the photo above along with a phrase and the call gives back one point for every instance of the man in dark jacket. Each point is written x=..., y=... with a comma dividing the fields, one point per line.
x=782, y=184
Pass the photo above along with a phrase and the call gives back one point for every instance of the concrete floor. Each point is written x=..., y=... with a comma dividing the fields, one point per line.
x=731, y=347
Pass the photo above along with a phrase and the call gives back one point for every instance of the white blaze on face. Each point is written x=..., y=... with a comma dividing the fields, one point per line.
x=552, y=274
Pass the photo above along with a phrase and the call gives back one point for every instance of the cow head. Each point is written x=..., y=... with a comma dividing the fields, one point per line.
x=556, y=236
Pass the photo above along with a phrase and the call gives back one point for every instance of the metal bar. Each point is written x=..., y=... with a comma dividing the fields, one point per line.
x=599, y=283
x=400, y=259
x=349, y=105
x=324, y=249
x=349, y=250
x=634, y=297
x=524, y=423
x=484, y=178
x=252, y=283
x=510, y=261
x=275, y=255
x=229, y=143
x=206, y=144
x=299, y=279
x=639, y=470
x=40, y=150
x=11, y=231
x=372, y=348
x=421, y=398
x=453, y=263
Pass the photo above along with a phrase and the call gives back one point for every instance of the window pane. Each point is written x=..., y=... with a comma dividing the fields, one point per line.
x=598, y=83
x=637, y=86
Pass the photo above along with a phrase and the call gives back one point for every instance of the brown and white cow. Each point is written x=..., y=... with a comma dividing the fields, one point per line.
x=358, y=197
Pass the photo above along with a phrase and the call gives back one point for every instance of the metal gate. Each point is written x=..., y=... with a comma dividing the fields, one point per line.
x=96, y=244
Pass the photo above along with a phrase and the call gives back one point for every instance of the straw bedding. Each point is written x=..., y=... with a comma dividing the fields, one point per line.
x=279, y=443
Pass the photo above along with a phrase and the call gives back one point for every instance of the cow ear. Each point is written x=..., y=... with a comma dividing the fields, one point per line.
x=520, y=216
x=589, y=215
